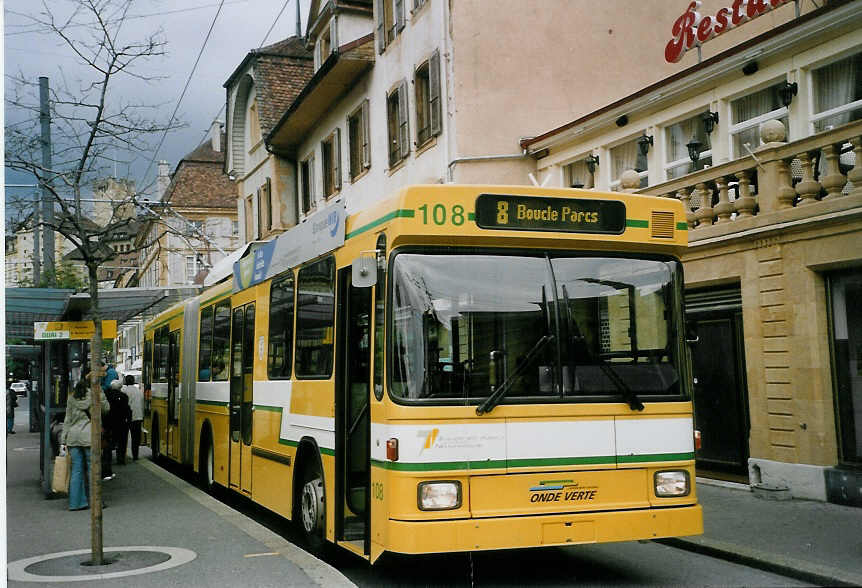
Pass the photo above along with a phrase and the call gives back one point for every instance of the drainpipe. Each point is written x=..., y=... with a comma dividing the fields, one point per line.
x=478, y=158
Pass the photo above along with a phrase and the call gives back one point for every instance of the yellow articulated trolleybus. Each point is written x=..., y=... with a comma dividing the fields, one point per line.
x=459, y=368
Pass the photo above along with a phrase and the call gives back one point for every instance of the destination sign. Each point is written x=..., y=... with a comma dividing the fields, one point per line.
x=535, y=213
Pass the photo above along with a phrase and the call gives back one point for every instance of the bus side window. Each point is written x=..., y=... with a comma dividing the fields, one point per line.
x=280, y=328
x=221, y=341
x=205, y=346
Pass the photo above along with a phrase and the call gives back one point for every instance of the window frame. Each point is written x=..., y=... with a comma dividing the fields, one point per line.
x=390, y=21
x=302, y=330
x=397, y=124
x=426, y=81
x=286, y=323
x=359, y=146
x=782, y=113
x=330, y=161
x=306, y=185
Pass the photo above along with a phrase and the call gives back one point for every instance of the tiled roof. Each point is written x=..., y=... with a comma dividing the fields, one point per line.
x=200, y=182
x=279, y=81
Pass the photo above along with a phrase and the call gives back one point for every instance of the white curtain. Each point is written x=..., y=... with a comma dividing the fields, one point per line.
x=835, y=85
x=625, y=157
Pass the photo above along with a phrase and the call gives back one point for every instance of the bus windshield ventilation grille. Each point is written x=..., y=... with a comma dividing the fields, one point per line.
x=661, y=225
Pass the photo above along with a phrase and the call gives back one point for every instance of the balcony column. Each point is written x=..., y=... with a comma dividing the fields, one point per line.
x=808, y=189
x=704, y=213
x=745, y=204
x=855, y=174
x=685, y=197
x=833, y=180
x=785, y=193
x=724, y=209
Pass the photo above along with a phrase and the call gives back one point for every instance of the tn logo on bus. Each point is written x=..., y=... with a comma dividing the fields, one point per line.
x=561, y=491
x=430, y=436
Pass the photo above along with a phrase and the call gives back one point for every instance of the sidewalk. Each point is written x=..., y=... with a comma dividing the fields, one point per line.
x=150, y=508
x=814, y=541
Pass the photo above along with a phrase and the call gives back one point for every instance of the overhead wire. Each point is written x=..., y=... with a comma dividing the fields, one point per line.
x=182, y=95
x=265, y=37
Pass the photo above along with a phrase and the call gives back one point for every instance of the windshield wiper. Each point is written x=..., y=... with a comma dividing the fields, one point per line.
x=495, y=398
x=576, y=336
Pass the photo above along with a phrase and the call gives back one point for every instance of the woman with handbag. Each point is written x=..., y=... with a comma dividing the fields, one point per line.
x=76, y=438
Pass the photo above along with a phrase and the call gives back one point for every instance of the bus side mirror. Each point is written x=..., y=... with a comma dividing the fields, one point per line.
x=364, y=274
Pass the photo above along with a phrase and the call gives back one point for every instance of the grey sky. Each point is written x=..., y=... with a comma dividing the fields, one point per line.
x=240, y=27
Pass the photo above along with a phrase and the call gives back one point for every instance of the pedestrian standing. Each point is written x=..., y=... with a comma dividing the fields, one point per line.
x=120, y=418
x=108, y=375
x=136, y=405
x=75, y=438
x=11, y=403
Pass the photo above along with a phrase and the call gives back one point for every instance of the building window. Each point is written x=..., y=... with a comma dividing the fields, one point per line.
x=267, y=196
x=837, y=93
x=390, y=21
x=396, y=115
x=234, y=228
x=306, y=184
x=748, y=113
x=628, y=156
x=253, y=124
x=358, y=134
x=249, y=219
x=428, y=100
x=577, y=175
x=677, y=138
x=418, y=4
x=330, y=159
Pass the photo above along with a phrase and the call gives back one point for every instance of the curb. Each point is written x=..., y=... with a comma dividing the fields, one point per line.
x=770, y=562
x=317, y=570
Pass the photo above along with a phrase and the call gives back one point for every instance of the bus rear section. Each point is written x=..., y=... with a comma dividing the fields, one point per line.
x=536, y=397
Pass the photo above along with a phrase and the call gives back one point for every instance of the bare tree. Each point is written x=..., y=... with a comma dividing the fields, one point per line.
x=95, y=130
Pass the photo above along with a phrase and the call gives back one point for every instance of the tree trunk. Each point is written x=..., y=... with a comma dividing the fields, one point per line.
x=97, y=555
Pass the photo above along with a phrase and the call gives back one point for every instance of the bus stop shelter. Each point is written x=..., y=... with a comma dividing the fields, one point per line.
x=59, y=361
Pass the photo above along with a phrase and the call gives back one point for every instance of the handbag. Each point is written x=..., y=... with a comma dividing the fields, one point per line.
x=60, y=479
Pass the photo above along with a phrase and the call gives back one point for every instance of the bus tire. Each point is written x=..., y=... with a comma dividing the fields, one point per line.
x=206, y=462
x=154, y=440
x=312, y=508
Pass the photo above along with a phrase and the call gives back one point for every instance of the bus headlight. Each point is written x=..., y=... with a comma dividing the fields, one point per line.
x=439, y=495
x=672, y=483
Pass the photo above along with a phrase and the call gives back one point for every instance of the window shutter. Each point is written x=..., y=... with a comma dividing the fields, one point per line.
x=434, y=93
x=366, y=136
x=312, y=200
x=268, y=204
x=333, y=36
x=255, y=216
x=403, y=135
x=381, y=33
x=399, y=15
x=336, y=159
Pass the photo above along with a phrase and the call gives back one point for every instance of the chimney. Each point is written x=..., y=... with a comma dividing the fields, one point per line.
x=215, y=135
x=164, y=179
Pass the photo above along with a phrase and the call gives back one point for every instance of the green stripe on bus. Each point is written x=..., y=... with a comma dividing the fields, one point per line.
x=655, y=457
x=212, y=402
x=442, y=465
x=637, y=223
x=683, y=226
x=215, y=298
x=268, y=408
x=323, y=450
x=400, y=213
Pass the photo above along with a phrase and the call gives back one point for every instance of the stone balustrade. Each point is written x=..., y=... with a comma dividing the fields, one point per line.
x=777, y=177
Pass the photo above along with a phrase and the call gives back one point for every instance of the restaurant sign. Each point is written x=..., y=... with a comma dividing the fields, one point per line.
x=693, y=29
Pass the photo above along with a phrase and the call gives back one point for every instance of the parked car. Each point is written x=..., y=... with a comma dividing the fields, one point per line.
x=20, y=388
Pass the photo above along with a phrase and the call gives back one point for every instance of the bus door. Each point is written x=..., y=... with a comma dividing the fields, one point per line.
x=174, y=394
x=241, y=375
x=353, y=419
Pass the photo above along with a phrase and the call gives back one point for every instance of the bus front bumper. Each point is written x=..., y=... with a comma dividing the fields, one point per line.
x=414, y=537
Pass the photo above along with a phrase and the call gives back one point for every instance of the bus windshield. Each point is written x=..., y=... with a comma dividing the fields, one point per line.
x=547, y=327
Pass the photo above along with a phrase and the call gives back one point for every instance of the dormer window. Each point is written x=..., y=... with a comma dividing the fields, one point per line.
x=253, y=124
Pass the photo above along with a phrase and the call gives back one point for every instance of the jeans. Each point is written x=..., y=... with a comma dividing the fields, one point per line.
x=78, y=480
x=10, y=423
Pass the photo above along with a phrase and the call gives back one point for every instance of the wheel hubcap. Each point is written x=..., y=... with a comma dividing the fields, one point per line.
x=312, y=506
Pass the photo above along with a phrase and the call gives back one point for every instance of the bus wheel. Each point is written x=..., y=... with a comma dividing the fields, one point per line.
x=154, y=441
x=312, y=509
x=206, y=465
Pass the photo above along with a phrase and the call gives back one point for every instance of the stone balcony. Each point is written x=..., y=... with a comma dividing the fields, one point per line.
x=782, y=184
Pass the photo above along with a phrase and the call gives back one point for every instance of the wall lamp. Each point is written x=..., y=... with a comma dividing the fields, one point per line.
x=786, y=92
x=644, y=142
x=592, y=161
x=710, y=119
x=694, y=149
